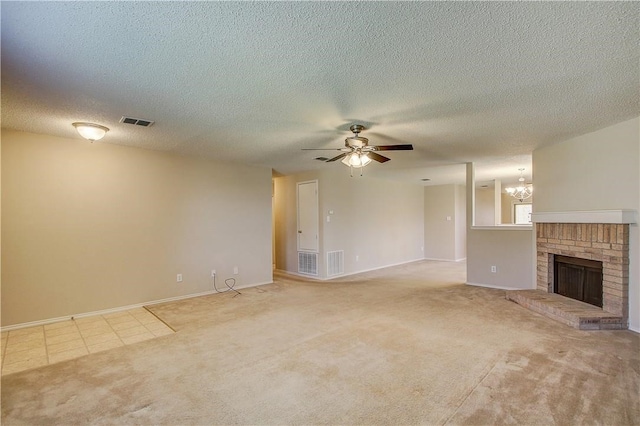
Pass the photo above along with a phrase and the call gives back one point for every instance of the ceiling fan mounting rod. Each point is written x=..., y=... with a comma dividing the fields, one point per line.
x=356, y=128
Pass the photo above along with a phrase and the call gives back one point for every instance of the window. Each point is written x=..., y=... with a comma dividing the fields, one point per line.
x=522, y=213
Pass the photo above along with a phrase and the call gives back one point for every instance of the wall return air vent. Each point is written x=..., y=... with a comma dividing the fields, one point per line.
x=335, y=263
x=137, y=121
x=307, y=263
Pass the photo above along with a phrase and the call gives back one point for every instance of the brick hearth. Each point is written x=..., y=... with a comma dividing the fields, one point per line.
x=568, y=311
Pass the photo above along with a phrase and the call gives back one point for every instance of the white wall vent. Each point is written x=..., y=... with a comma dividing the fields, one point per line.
x=307, y=263
x=335, y=263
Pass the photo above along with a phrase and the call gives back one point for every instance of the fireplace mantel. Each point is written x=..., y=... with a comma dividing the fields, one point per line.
x=587, y=216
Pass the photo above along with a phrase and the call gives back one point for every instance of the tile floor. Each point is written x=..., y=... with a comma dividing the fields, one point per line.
x=33, y=347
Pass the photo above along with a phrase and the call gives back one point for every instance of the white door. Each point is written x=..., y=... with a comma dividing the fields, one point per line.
x=308, y=216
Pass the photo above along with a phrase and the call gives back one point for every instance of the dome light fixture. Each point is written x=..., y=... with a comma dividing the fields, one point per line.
x=90, y=131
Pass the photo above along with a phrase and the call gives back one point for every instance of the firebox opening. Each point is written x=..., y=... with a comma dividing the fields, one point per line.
x=579, y=279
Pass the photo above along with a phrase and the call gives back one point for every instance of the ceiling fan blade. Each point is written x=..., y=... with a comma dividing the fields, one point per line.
x=320, y=149
x=403, y=147
x=377, y=157
x=337, y=158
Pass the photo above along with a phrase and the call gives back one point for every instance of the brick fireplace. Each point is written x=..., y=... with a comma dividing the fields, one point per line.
x=597, y=240
x=604, y=242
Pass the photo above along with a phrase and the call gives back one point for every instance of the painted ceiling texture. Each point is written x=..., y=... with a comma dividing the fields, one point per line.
x=256, y=82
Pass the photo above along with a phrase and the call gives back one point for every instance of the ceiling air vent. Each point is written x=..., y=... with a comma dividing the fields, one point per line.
x=137, y=121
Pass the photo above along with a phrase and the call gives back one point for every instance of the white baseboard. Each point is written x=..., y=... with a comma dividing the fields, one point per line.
x=635, y=330
x=297, y=274
x=333, y=277
x=362, y=271
x=120, y=308
x=445, y=260
x=497, y=287
x=374, y=269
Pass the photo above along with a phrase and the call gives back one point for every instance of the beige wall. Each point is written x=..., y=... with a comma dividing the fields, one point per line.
x=596, y=171
x=444, y=222
x=379, y=221
x=439, y=222
x=506, y=204
x=511, y=251
x=88, y=227
x=485, y=207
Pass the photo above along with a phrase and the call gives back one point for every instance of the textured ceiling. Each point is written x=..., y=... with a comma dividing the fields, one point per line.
x=255, y=82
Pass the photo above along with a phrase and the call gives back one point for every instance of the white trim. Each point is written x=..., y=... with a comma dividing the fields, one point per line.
x=586, y=216
x=634, y=330
x=497, y=287
x=118, y=309
x=356, y=272
x=373, y=269
x=297, y=274
x=445, y=260
x=503, y=228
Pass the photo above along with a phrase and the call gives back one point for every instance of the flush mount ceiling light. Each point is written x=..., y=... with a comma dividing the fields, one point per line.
x=91, y=131
x=522, y=191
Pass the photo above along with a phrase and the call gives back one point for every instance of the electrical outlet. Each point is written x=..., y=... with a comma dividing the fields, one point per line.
x=494, y=269
x=235, y=270
x=179, y=278
x=357, y=258
x=213, y=273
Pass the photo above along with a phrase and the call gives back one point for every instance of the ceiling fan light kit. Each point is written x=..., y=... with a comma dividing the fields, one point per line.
x=358, y=153
x=356, y=160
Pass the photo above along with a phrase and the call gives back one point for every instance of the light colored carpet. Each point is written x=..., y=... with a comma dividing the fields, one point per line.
x=404, y=345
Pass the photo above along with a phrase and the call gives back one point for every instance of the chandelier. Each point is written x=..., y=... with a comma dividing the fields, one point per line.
x=522, y=191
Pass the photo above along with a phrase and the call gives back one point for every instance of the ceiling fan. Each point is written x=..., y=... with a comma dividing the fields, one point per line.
x=357, y=152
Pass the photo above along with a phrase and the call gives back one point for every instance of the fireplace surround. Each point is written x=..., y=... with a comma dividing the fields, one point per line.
x=604, y=242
